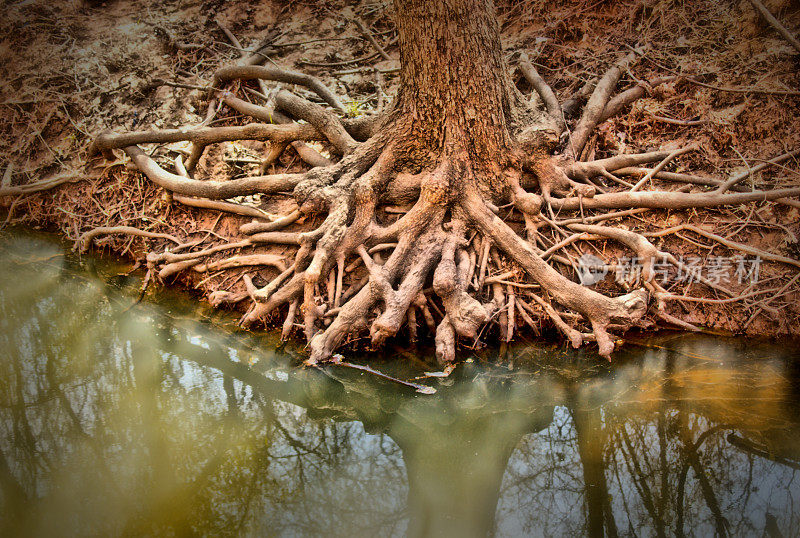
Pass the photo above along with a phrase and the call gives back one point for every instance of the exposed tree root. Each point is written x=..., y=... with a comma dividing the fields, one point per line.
x=85, y=241
x=776, y=24
x=340, y=264
x=39, y=186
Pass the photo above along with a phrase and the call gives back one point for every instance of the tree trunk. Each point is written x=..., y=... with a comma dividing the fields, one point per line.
x=459, y=134
x=459, y=143
x=454, y=85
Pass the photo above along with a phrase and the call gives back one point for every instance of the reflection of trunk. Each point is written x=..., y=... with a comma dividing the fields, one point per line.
x=456, y=496
x=591, y=441
x=170, y=504
x=454, y=477
x=750, y=447
x=15, y=499
x=693, y=460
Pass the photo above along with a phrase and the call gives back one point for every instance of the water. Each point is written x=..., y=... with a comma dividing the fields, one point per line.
x=157, y=419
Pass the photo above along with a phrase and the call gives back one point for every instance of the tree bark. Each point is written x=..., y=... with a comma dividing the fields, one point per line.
x=453, y=79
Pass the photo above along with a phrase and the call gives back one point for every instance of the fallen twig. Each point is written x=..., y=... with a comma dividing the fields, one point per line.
x=338, y=361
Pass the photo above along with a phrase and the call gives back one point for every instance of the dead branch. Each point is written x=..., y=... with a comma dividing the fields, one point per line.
x=363, y=29
x=738, y=178
x=660, y=166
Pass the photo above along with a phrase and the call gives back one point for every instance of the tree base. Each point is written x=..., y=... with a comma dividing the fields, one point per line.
x=444, y=255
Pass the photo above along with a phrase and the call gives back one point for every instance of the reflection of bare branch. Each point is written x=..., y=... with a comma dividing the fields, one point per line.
x=640, y=481
x=721, y=524
x=685, y=470
x=54, y=387
x=663, y=464
x=751, y=448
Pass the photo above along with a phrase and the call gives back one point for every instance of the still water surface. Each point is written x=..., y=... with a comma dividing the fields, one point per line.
x=158, y=419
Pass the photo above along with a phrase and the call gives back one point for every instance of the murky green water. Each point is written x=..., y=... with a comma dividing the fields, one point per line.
x=155, y=419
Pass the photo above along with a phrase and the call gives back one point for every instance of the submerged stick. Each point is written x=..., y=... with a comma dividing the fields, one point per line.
x=422, y=389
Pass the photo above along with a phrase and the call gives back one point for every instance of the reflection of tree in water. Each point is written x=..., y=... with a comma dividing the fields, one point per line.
x=93, y=396
x=139, y=422
x=672, y=454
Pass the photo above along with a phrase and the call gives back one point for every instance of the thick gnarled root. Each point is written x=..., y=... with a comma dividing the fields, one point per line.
x=464, y=315
x=378, y=241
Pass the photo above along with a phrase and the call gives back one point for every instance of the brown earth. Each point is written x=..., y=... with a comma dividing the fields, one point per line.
x=72, y=69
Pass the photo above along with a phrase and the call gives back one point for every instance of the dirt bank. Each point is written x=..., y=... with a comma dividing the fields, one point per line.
x=72, y=69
